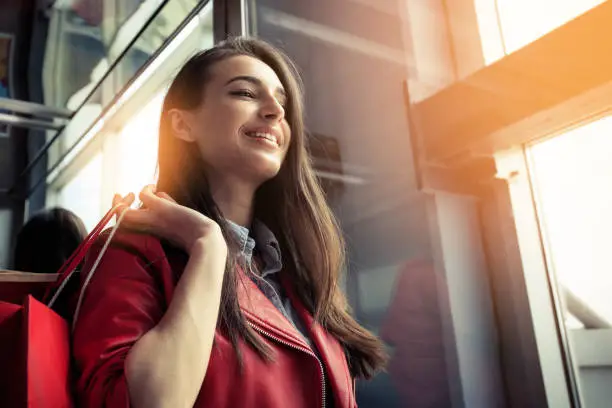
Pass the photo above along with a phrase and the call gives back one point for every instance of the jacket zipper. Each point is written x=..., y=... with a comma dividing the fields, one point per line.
x=310, y=353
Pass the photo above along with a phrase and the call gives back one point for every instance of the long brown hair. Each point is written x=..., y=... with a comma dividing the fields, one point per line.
x=292, y=205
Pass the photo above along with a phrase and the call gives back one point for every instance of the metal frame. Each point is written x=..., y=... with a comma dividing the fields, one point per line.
x=153, y=76
x=43, y=151
x=230, y=19
x=14, y=120
x=521, y=367
x=35, y=109
x=53, y=118
x=541, y=295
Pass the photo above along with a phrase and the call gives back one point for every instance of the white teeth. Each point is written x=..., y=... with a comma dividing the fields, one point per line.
x=262, y=135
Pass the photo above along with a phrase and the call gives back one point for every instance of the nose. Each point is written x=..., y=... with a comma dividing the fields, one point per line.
x=271, y=110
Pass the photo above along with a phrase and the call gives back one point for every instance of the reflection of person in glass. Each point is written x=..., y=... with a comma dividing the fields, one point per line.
x=413, y=327
x=168, y=318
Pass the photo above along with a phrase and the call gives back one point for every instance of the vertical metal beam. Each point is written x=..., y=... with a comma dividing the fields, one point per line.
x=219, y=20
x=230, y=19
x=519, y=355
x=551, y=345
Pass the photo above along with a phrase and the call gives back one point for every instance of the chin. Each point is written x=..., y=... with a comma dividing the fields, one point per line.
x=262, y=172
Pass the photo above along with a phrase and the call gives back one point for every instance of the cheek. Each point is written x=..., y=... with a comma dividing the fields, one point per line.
x=218, y=127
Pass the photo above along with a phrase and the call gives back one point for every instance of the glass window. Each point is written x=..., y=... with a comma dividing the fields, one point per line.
x=91, y=55
x=125, y=141
x=127, y=131
x=138, y=142
x=512, y=24
x=570, y=175
x=87, y=36
x=83, y=193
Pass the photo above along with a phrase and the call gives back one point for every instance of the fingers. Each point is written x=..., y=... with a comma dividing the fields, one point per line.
x=129, y=199
x=148, y=197
x=140, y=219
x=122, y=202
x=165, y=196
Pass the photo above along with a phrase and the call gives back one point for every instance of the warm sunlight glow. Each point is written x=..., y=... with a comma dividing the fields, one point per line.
x=572, y=176
x=138, y=148
x=508, y=25
x=82, y=194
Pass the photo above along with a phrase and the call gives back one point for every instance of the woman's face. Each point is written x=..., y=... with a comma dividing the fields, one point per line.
x=240, y=128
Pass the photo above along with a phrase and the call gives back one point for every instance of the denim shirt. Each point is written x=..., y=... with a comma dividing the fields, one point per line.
x=268, y=281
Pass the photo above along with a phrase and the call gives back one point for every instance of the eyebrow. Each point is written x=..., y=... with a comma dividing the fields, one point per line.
x=254, y=81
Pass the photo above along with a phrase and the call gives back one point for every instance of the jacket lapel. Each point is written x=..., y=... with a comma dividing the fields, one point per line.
x=260, y=311
x=330, y=350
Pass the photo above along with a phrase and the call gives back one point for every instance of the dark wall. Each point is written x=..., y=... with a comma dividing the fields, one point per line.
x=17, y=18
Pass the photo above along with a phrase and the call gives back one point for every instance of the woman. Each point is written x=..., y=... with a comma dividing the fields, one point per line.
x=231, y=297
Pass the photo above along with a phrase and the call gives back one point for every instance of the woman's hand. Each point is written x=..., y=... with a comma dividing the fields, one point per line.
x=163, y=217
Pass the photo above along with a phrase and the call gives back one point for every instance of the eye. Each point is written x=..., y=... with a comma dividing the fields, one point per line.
x=245, y=93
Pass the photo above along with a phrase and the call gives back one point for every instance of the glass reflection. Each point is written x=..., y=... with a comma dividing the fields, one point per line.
x=88, y=71
x=354, y=62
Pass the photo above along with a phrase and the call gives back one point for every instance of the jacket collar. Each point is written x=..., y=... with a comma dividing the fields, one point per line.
x=260, y=311
x=263, y=314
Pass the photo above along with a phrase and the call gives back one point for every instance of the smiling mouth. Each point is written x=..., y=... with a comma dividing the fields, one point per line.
x=264, y=137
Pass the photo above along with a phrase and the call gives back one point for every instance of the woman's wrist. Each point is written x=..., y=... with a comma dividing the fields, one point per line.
x=202, y=235
x=209, y=242
x=210, y=256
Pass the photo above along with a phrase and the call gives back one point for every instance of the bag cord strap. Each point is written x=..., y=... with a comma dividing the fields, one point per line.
x=95, y=266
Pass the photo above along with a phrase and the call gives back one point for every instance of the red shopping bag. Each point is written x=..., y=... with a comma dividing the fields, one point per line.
x=16, y=286
x=35, y=340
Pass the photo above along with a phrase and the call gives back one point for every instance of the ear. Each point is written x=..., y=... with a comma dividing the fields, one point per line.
x=180, y=123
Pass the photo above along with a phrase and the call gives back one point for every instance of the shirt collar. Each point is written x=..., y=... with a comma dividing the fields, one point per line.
x=265, y=241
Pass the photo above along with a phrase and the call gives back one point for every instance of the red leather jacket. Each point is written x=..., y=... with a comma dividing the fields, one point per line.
x=128, y=296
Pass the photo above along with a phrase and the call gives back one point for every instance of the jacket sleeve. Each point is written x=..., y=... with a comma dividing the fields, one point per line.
x=123, y=301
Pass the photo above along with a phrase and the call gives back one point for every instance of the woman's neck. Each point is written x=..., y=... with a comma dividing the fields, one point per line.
x=235, y=200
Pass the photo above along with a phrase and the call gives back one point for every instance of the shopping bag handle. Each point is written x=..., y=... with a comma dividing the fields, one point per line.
x=93, y=268
x=69, y=267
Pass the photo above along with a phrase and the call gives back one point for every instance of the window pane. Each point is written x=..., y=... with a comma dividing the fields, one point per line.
x=570, y=174
x=138, y=148
x=86, y=38
x=82, y=194
x=79, y=71
x=516, y=23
